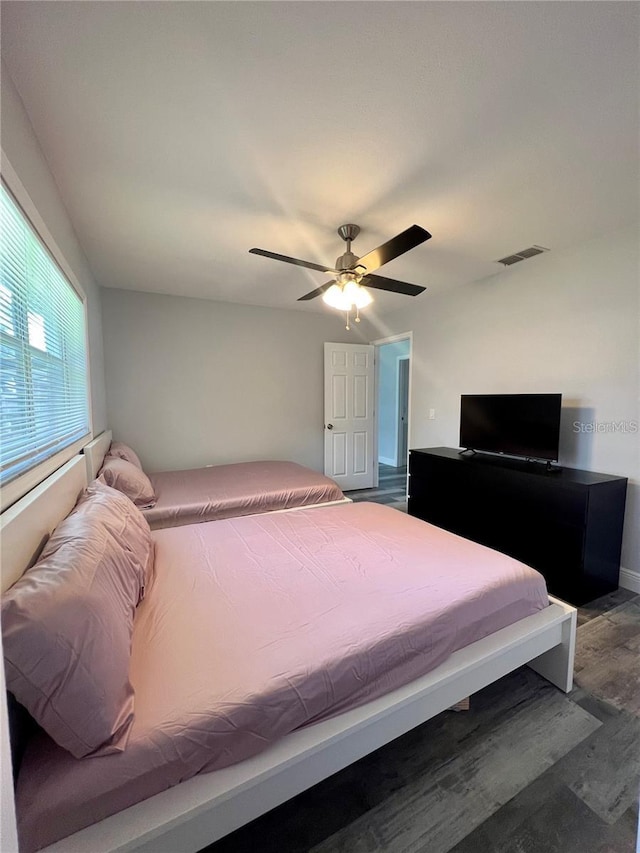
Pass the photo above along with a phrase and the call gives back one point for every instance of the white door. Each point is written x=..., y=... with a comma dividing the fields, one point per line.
x=348, y=414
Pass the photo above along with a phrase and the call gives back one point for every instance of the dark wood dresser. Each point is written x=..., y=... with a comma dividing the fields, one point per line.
x=565, y=523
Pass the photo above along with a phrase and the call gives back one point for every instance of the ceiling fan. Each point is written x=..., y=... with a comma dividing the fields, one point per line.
x=346, y=290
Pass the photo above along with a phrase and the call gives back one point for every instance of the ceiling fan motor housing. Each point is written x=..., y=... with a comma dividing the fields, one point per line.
x=346, y=261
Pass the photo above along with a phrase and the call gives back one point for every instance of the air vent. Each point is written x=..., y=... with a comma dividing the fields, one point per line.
x=522, y=255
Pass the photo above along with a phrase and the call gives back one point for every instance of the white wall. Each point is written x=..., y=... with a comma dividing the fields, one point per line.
x=24, y=155
x=388, y=357
x=565, y=322
x=192, y=381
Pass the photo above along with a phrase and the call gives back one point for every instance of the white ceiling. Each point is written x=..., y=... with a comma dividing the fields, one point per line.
x=182, y=134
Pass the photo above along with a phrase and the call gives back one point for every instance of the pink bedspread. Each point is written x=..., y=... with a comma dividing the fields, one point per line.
x=256, y=626
x=228, y=491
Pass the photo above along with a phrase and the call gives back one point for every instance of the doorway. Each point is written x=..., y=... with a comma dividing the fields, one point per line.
x=393, y=379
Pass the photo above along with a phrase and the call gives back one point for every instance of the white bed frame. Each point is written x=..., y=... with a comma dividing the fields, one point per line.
x=207, y=807
x=94, y=453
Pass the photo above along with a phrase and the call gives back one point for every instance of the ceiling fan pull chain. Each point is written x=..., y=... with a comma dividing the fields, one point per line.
x=357, y=313
x=347, y=327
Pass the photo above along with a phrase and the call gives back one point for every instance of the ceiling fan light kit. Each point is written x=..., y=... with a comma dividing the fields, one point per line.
x=347, y=295
x=346, y=292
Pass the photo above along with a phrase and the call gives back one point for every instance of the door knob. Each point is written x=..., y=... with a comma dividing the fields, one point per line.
x=329, y=426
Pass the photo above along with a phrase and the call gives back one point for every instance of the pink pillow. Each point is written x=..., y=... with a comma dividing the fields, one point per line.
x=131, y=481
x=120, y=450
x=67, y=624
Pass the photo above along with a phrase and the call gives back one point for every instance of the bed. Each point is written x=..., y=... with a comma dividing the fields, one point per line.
x=339, y=557
x=224, y=491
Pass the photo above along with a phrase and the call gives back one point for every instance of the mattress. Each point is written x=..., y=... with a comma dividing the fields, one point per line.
x=254, y=627
x=228, y=491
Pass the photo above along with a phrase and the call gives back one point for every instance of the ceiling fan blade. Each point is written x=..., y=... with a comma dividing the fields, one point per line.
x=317, y=292
x=392, y=285
x=294, y=261
x=393, y=248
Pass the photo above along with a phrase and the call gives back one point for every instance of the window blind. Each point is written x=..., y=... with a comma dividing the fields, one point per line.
x=43, y=360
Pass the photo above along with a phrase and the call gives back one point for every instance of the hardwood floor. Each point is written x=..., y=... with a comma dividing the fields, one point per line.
x=527, y=769
x=392, y=487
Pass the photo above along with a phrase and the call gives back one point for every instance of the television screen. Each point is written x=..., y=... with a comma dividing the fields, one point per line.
x=526, y=425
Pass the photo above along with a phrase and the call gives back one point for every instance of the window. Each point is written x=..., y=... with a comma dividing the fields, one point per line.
x=43, y=360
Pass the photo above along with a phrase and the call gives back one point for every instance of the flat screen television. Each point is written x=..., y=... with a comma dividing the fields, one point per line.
x=524, y=425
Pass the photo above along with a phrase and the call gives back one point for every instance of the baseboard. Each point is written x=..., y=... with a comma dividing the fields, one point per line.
x=386, y=460
x=630, y=580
